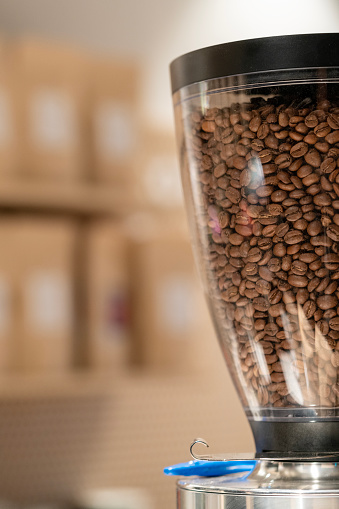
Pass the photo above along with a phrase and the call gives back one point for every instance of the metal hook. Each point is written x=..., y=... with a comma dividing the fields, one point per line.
x=197, y=441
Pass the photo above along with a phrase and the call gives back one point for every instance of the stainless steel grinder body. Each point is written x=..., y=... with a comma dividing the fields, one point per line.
x=272, y=485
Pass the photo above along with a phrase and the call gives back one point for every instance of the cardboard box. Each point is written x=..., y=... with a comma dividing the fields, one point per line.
x=113, y=118
x=171, y=326
x=107, y=297
x=45, y=260
x=8, y=125
x=156, y=171
x=51, y=93
x=9, y=285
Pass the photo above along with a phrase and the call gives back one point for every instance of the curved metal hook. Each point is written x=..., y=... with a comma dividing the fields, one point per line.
x=197, y=441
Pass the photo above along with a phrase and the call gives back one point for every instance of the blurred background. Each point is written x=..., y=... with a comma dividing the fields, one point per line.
x=109, y=367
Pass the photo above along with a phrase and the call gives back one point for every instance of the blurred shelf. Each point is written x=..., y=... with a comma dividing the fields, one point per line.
x=73, y=197
x=81, y=199
x=84, y=383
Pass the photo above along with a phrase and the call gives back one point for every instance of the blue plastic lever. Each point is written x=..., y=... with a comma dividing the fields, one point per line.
x=210, y=468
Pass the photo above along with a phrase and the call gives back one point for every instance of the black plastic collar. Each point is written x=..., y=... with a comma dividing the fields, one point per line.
x=255, y=55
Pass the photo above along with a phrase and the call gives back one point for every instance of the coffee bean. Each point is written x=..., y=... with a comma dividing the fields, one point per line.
x=322, y=130
x=254, y=123
x=321, y=240
x=327, y=301
x=334, y=324
x=308, y=257
x=323, y=285
x=264, y=191
x=313, y=158
x=243, y=230
x=300, y=224
x=314, y=228
x=332, y=231
x=263, y=287
x=328, y=165
x=261, y=304
x=311, y=120
x=274, y=209
x=299, y=268
x=322, y=200
x=278, y=196
x=266, y=274
x=219, y=170
x=289, y=297
x=293, y=237
x=332, y=137
x=302, y=296
x=298, y=281
x=233, y=195
x=269, y=219
x=279, y=249
x=299, y=150
x=310, y=179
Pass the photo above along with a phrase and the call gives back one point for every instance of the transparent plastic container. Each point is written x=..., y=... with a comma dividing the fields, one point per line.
x=259, y=155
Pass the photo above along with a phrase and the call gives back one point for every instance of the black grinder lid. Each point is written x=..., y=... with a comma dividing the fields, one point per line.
x=255, y=55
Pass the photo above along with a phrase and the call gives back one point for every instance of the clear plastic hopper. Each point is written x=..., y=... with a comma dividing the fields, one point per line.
x=259, y=155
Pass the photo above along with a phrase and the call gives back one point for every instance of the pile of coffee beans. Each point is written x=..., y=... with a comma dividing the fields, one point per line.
x=267, y=175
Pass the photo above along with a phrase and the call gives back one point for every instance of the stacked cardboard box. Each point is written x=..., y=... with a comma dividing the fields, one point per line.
x=107, y=297
x=51, y=92
x=113, y=119
x=8, y=125
x=36, y=294
x=156, y=171
x=170, y=320
x=9, y=284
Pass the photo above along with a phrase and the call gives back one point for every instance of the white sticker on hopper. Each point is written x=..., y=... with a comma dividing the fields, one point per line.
x=52, y=119
x=48, y=304
x=177, y=304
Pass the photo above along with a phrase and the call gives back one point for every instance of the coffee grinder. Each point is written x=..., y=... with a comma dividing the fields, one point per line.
x=257, y=124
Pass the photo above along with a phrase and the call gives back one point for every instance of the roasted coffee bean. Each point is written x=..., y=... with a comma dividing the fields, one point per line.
x=263, y=287
x=299, y=268
x=332, y=231
x=266, y=274
x=334, y=323
x=327, y=301
x=233, y=195
x=293, y=237
x=314, y=228
x=275, y=296
x=332, y=137
x=313, y=158
x=302, y=296
x=298, y=281
x=322, y=200
x=279, y=249
x=269, y=220
x=278, y=196
x=299, y=150
x=311, y=120
x=261, y=304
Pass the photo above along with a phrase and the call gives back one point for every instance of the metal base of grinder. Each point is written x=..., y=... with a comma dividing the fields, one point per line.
x=272, y=485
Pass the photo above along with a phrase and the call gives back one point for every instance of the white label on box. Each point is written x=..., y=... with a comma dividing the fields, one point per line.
x=162, y=181
x=176, y=303
x=6, y=119
x=48, y=302
x=52, y=119
x=114, y=131
x=5, y=306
